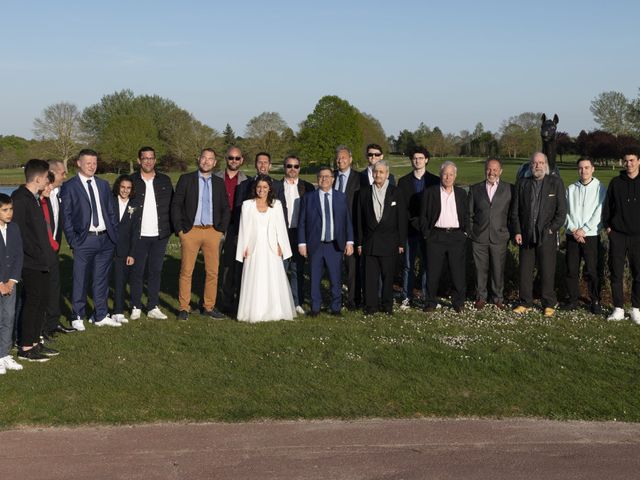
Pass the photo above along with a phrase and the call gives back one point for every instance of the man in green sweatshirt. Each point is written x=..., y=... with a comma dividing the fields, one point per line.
x=621, y=219
x=584, y=211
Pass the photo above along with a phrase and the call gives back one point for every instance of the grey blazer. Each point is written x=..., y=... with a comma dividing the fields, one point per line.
x=490, y=220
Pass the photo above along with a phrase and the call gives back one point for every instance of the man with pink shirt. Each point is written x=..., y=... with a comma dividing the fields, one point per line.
x=489, y=203
x=443, y=223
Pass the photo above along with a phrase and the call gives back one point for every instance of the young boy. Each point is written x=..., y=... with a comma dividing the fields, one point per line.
x=10, y=272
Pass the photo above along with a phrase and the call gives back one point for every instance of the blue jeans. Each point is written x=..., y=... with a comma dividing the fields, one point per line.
x=416, y=247
x=7, y=319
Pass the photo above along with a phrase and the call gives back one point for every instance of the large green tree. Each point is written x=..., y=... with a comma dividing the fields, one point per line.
x=123, y=135
x=333, y=122
x=613, y=112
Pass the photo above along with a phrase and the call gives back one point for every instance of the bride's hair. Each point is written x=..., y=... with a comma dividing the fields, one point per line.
x=271, y=195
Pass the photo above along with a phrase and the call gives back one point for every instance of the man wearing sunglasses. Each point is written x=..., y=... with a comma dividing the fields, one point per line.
x=294, y=188
x=374, y=155
x=231, y=271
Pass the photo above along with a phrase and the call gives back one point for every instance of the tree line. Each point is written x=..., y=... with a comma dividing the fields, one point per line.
x=121, y=122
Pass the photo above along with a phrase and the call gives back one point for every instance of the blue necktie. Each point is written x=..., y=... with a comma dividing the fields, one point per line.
x=206, y=204
x=94, y=207
x=327, y=219
x=341, y=182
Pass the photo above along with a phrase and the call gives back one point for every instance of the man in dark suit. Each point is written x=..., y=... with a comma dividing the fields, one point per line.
x=291, y=194
x=263, y=167
x=411, y=187
x=489, y=206
x=539, y=210
x=231, y=269
x=52, y=324
x=39, y=258
x=443, y=217
x=374, y=155
x=90, y=224
x=200, y=216
x=347, y=181
x=381, y=234
x=325, y=234
x=153, y=197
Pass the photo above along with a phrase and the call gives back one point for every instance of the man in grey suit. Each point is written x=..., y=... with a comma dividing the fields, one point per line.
x=489, y=203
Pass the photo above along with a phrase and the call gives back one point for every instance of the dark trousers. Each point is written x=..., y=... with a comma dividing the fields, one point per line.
x=489, y=259
x=589, y=252
x=353, y=267
x=120, y=275
x=35, y=292
x=621, y=246
x=544, y=253
x=149, y=250
x=374, y=268
x=53, y=313
x=294, y=267
x=450, y=246
x=414, y=249
x=94, y=255
x=329, y=256
x=231, y=272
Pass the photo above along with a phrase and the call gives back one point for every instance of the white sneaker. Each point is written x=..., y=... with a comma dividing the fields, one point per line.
x=156, y=313
x=635, y=315
x=299, y=310
x=406, y=304
x=78, y=325
x=616, y=315
x=107, y=321
x=119, y=317
x=135, y=313
x=9, y=363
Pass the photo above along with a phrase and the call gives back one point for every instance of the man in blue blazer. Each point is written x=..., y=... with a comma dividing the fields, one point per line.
x=90, y=224
x=325, y=234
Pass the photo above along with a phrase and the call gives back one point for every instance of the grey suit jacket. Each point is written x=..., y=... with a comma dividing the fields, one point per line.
x=490, y=220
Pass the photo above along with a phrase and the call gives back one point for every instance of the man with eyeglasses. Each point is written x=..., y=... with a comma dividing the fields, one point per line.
x=154, y=192
x=325, y=235
x=294, y=189
x=374, y=155
x=231, y=272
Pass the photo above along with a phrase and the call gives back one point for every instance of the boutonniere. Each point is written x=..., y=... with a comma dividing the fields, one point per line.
x=130, y=210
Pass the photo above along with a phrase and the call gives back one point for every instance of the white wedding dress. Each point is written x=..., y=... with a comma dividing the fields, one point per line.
x=265, y=293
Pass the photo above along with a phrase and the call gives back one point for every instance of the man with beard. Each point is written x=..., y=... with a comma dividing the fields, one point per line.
x=539, y=210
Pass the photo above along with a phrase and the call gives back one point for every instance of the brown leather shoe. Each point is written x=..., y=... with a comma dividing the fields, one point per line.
x=480, y=304
x=500, y=306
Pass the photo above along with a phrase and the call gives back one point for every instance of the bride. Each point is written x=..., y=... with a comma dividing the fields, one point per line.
x=263, y=242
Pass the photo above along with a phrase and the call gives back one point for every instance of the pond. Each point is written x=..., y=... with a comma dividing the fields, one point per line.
x=8, y=189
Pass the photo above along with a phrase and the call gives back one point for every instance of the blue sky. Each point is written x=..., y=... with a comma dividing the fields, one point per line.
x=450, y=64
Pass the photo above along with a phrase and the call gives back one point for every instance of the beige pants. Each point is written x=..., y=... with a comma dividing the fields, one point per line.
x=208, y=240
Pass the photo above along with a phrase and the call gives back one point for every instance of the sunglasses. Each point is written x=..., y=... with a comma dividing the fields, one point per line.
x=290, y=165
x=371, y=154
x=237, y=159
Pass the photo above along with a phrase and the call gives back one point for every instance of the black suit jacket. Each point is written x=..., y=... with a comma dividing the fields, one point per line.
x=303, y=188
x=11, y=254
x=128, y=229
x=413, y=200
x=185, y=203
x=431, y=206
x=385, y=237
x=244, y=189
x=27, y=214
x=553, y=208
x=490, y=220
x=163, y=191
x=351, y=190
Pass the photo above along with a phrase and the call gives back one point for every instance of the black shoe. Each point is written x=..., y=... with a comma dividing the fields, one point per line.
x=458, y=308
x=370, y=311
x=213, y=313
x=311, y=313
x=429, y=308
x=568, y=306
x=596, y=309
x=336, y=314
x=46, y=351
x=183, y=315
x=62, y=329
x=49, y=336
x=350, y=305
x=32, y=355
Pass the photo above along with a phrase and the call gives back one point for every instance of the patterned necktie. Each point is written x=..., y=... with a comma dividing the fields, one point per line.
x=327, y=219
x=341, y=182
x=94, y=207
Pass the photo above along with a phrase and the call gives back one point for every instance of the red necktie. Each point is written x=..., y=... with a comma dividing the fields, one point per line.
x=47, y=218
